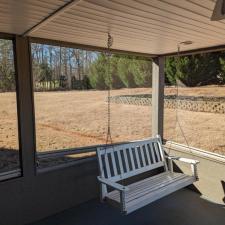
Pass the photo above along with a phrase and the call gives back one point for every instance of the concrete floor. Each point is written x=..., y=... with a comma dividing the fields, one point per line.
x=184, y=207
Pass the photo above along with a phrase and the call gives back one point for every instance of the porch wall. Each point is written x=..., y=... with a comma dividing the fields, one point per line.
x=211, y=184
x=24, y=200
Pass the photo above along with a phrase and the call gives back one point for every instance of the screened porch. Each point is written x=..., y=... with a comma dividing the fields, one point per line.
x=80, y=75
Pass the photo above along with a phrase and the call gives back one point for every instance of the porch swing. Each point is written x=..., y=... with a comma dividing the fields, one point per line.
x=118, y=162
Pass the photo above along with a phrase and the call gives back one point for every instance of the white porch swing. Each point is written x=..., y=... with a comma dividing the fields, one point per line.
x=123, y=161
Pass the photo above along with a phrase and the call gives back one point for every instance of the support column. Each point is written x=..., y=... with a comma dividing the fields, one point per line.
x=158, y=80
x=25, y=105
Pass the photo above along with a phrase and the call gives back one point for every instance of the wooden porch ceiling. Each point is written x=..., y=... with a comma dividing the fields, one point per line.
x=153, y=27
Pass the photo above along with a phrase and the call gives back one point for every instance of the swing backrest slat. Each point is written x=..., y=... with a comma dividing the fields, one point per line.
x=122, y=161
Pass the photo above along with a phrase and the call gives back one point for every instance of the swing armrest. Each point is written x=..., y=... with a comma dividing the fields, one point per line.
x=192, y=162
x=114, y=185
x=185, y=160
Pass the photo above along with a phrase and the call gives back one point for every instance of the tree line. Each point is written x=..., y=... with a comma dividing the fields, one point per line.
x=196, y=70
x=130, y=71
x=7, y=72
x=120, y=71
x=61, y=68
x=57, y=67
x=65, y=68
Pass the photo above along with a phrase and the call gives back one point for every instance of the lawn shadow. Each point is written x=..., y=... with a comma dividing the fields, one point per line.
x=60, y=160
x=9, y=159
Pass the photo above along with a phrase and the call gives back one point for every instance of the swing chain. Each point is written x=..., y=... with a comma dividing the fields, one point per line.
x=178, y=61
x=109, y=45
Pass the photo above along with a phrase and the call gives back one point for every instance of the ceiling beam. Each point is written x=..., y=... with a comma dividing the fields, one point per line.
x=6, y=36
x=88, y=47
x=51, y=16
x=216, y=48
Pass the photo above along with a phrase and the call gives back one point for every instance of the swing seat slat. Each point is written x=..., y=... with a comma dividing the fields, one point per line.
x=120, y=162
x=143, y=193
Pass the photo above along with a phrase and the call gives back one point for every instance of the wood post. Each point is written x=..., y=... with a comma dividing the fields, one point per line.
x=25, y=105
x=157, y=96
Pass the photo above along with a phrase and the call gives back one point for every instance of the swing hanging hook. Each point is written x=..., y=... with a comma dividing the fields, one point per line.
x=110, y=41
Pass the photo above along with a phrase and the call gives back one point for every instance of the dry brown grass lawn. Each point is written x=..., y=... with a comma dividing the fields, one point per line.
x=79, y=118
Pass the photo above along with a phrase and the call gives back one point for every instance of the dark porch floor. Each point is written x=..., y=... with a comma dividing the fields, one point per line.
x=184, y=207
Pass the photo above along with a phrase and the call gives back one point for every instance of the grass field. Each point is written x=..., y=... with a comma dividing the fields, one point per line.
x=79, y=118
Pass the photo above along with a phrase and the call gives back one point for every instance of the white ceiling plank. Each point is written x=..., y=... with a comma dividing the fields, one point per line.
x=156, y=19
x=127, y=22
x=152, y=27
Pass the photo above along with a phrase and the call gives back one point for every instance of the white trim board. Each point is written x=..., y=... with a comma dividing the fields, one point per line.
x=195, y=151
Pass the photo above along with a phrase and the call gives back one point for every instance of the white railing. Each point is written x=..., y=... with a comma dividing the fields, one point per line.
x=195, y=151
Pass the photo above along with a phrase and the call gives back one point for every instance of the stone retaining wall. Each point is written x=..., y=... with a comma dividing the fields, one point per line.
x=190, y=103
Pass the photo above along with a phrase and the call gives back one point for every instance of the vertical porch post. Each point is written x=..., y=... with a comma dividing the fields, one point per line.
x=158, y=95
x=25, y=105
